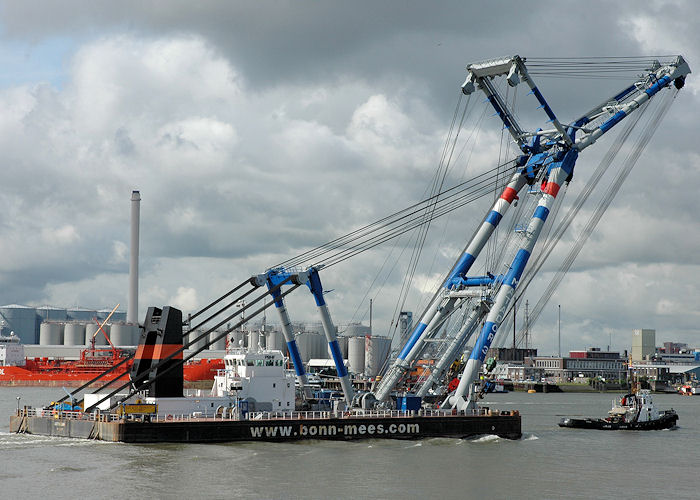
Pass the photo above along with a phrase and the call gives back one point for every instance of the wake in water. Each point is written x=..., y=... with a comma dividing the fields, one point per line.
x=492, y=438
x=10, y=440
x=488, y=438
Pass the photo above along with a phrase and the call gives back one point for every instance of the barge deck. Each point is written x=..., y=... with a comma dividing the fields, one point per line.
x=266, y=426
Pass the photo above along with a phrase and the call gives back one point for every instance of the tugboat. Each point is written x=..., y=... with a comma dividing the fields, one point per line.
x=634, y=411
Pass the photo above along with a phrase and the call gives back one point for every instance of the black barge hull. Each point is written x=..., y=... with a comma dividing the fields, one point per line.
x=667, y=421
x=218, y=431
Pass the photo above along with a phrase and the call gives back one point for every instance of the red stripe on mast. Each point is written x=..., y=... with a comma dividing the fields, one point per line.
x=509, y=194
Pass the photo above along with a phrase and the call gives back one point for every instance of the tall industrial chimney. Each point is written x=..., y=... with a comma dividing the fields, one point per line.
x=132, y=310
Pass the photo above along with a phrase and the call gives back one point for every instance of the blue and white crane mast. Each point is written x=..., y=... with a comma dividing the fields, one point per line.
x=561, y=160
x=454, y=349
x=441, y=305
x=329, y=329
x=311, y=278
x=273, y=278
x=532, y=161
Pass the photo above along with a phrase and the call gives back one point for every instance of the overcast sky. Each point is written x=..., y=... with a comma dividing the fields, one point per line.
x=255, y=130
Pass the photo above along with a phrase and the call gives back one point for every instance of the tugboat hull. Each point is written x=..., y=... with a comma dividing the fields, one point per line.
x=667, y=420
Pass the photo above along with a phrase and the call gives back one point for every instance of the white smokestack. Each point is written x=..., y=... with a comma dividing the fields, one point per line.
x=132, y=310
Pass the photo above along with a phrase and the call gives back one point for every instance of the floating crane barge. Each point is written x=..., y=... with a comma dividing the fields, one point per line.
x=165, y=416
x=251, y=401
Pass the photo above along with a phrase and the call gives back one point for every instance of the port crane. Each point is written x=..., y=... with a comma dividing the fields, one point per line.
x=545, y=164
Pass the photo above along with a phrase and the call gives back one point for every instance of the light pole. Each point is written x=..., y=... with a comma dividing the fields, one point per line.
x=18, y=398
x=560, y=330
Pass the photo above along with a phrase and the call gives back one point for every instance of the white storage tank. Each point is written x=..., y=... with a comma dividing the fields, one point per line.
x=310, y=346
x=356, y=330
x=320, y=346
x=220, y=344
x=81, y=314
x=376, y=352
x=123, y=334
x=50, y=313
x=237, y=339
x=74, y=333
x=200, y=343
x=274, y=339
x=253, y=340
x=51, y=333
x=93, y=329
x=117, y=316
x=22, y=320
x=356, y=354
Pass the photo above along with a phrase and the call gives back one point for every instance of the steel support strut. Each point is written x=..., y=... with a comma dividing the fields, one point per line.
x=454, y=349
x=438, y=310
x=311, y=278
x=271, y=279
x=329, y=329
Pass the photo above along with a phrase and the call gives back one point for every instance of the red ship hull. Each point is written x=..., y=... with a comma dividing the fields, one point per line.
x=92, y=362
x=202, y=369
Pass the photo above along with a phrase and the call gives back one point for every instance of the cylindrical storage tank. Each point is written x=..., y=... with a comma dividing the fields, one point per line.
x=319, y=346
x=356, y=354
x=220, y=344
x=123, y=334
x=236, y=339
x=117, y=316
x=51, y=333
x=322, y=350
x=22, y=320
x=253, y=340
x=274, y=339
x=376, y=352
x=307, y=344
x=79, y=314
x=74, y=333
x=356, y=330
x=49, y=313
x=93, y=329
x=198, y=344
x=343, y=344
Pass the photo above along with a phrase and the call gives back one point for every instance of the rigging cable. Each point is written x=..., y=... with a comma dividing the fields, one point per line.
x=398, y=223
x=630, y=161
x=428, y=217
x=543, y=254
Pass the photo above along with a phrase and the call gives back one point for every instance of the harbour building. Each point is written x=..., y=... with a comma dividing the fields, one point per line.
x=643, y=343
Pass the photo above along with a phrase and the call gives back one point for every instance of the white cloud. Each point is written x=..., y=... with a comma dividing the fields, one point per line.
x=61, y=236
x=185, y=299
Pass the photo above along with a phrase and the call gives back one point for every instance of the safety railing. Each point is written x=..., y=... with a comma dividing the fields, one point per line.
x=66, y=414
x=235, y=415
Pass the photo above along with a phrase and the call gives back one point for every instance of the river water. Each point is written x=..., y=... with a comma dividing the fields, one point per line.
x=548, y=462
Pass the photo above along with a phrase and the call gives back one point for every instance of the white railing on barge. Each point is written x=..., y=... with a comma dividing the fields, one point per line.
x=67, y=414
x=260, y=416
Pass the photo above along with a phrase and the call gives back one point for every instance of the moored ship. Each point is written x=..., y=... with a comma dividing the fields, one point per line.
x=18, y=370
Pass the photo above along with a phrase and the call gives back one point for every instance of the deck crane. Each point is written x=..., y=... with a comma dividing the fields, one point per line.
x=548, y=157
